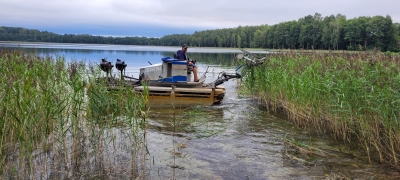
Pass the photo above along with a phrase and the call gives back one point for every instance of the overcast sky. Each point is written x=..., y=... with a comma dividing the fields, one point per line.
x=155, y=18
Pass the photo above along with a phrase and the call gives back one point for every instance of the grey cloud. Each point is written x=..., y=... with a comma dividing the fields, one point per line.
x=178, y=13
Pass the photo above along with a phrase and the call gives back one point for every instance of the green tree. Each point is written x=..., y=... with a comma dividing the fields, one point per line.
x=352, y=34
x=306, y=29
x=312, y=31
x=327, y=31
x=316, y=33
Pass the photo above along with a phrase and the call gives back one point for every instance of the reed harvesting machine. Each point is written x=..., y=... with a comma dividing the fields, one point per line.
x=169, y=82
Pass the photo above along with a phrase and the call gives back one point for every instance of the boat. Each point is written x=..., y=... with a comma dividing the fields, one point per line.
x=169, y=82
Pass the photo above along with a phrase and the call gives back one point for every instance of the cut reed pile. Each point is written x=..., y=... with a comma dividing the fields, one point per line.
x=355, y=97
x=56, y=123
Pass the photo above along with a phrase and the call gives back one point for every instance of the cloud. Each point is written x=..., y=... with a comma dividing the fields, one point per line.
x=194, y=14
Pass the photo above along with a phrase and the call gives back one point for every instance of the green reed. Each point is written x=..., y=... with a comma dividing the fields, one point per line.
x=58, y=121
x=355, y=97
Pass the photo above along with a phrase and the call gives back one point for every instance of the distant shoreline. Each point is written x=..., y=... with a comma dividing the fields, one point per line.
x=49, y=45
x=23, y=44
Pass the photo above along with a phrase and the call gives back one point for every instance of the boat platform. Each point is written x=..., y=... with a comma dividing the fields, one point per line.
x=180, y=95
x=184, y=96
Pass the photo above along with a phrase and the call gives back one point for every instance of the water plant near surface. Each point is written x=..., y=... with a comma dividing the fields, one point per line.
x=57, y=121
x=354, y=97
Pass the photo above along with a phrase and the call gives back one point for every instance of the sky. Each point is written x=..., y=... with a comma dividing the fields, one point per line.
x=156, y=18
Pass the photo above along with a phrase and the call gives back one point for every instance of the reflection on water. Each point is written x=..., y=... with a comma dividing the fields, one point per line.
x=233, y=140
x=106, y=47
x=137, y=59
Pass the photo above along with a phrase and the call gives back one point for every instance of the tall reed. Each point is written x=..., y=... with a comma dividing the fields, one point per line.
x=58, y=121
x=354, y=97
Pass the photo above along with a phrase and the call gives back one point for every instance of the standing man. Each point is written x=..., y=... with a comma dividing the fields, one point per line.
x=182, y=56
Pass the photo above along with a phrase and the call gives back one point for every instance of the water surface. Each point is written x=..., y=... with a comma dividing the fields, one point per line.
x=236, y=139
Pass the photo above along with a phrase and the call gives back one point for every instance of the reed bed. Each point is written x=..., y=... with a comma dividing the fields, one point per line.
x=354, y=97
x=58, y=122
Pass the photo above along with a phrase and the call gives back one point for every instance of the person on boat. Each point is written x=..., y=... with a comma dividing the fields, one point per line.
x=181, y=55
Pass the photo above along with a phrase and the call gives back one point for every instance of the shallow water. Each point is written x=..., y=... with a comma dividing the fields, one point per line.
x=239, y=140
x=236, y=139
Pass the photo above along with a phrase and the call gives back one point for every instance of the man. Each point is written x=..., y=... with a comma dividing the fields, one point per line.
x=182, y=56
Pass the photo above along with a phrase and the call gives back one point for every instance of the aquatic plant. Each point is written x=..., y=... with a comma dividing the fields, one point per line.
x=57, y=121
x=354, y=97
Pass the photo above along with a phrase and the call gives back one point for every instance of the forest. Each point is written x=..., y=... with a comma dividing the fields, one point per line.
x=334, y=32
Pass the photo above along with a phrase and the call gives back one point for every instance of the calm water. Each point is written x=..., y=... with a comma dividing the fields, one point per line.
x=234, y=140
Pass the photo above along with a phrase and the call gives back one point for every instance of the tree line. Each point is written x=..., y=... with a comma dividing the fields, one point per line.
x=334, y=32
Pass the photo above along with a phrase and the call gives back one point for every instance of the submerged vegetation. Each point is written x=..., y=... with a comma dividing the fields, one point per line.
x=354, y=97
x=55, y=122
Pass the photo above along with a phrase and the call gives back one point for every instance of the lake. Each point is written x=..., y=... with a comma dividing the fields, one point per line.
x=237, y=139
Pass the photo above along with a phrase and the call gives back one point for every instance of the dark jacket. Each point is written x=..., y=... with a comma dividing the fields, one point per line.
x=181, y=55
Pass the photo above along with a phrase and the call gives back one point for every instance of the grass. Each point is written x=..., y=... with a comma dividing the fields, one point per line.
x=312, y=51
x=57, y=122
x=326, y=51
x=352, y=96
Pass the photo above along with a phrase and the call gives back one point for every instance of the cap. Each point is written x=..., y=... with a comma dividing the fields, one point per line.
x=185, y=46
